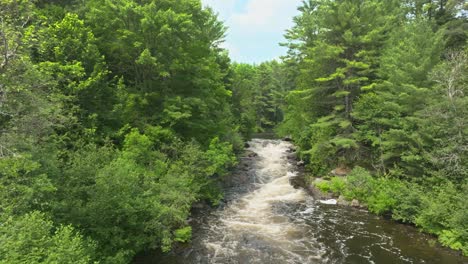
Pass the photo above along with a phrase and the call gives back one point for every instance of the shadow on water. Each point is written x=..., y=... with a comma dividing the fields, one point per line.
x=266, y=220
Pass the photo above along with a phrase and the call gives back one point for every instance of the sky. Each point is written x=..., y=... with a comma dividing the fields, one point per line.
x=255, y=27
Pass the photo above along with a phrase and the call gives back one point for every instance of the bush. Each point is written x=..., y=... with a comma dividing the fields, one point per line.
x=383, y=199
x=31, y=239
x=337, y=185
x=445, y=213
x=183, y=234
x=440, y=210
x=359, y=185
x=454, y=240
x=408, y=204
x=323, y=186
x=23, y=187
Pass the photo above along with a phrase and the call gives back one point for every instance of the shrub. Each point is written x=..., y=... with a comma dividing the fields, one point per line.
x=383, y=199
x=337, y=185
x=454, y=240
x=183, y=234
x=323, y=186
x=408, y=204
x=359, y=185
x=445, y=213
x=32, y=238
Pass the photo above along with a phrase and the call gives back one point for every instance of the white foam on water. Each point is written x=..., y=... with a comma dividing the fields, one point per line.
x=329, y=201
x=253, y=214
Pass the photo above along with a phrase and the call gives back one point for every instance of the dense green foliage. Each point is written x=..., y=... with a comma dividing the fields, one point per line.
x=383, y=85
x=258, y=95
x=440, y=210
x=115, y=118
x=30, y=239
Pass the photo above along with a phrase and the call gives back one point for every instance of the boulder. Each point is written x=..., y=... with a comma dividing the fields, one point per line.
x=297, y=181
x=291, y=150
x=250, y=154
x=300, y=163
x=287, y=139
x=342, y=201
x=200, y=206
x=291, y=156
x=355, y=203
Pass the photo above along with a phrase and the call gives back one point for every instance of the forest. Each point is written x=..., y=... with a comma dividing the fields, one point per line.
x=117, y=116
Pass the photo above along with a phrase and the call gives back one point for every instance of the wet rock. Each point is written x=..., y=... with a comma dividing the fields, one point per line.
x=246, y=145
x=342, y=201
x=200, y=206
x=222, y=204
x=300, y=163
x=291, y=150
x=297, y=181
x=287, y=139
x=355, y=203
x=240, y=177
x=250, y=154
x=291, y=156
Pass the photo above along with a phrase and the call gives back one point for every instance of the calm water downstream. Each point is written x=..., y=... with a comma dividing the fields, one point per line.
x=266, y=220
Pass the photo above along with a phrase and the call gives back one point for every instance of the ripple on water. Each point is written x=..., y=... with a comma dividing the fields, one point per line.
x=268, y=221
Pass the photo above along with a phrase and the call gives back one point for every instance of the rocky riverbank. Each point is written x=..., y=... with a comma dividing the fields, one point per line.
x=300, y=181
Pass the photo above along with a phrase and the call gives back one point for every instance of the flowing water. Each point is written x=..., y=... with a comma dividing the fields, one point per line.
x=266, y=220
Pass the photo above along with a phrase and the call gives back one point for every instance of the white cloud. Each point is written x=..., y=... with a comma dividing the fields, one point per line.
x=255, y=27
x=225, y=8
x=266, y=15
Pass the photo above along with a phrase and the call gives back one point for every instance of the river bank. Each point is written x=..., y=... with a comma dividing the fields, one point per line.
x=400, y=201
x=264, y=219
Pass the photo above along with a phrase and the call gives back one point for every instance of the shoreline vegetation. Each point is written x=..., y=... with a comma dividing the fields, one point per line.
x=399, y=201
x=116, y=117
x=380, y=86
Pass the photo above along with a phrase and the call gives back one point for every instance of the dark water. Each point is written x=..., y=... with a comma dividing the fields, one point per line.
x=265, y=220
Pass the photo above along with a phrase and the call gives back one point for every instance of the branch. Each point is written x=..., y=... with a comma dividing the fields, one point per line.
x=25, y=22
x=5, y=46
x=5, y=152
x=10, y=53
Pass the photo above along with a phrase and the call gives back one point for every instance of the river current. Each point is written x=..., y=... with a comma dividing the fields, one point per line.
x=266, y=220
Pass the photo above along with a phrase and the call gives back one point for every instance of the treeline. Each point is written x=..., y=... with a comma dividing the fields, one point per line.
x=382, y=85
x=259, y=95
x=115, y=117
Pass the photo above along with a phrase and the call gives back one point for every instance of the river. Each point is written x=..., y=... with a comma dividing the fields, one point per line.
x=266, y=220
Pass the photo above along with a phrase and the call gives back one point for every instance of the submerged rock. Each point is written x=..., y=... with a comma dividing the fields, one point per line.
x=250, y=154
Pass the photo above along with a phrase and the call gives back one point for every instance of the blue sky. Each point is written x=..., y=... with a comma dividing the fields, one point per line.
x=255, y=27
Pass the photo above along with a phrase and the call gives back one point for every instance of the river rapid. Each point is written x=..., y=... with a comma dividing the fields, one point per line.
x=266, y=220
